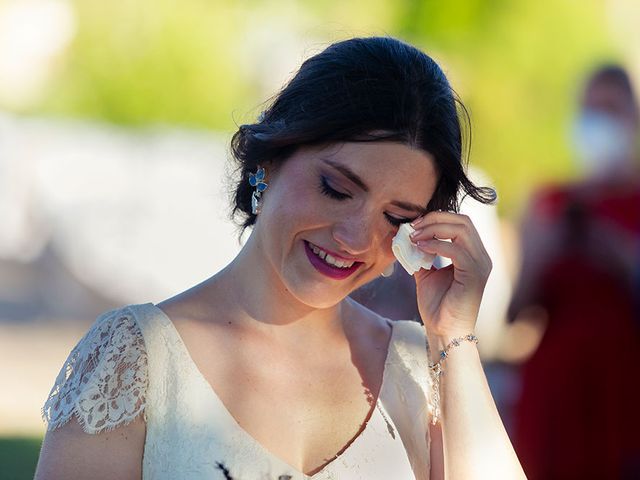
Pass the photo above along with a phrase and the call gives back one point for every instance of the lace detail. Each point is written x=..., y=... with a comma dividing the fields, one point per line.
x=104, y=380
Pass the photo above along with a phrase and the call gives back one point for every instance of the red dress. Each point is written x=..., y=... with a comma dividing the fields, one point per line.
x=579, y=411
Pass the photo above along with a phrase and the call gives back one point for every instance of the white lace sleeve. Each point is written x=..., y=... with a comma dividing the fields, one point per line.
x=103, y=381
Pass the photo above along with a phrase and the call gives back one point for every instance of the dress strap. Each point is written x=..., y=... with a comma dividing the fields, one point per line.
x=407, y=396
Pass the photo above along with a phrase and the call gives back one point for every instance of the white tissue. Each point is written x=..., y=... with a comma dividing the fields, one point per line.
x=409, y=256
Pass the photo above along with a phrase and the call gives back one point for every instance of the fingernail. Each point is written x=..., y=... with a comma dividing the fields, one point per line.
x=414, y=233
x=416, y=221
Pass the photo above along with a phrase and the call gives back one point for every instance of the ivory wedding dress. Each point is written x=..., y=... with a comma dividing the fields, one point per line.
x=133, y=362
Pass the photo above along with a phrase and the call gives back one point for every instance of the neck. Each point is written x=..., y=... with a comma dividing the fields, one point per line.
x=252, y=293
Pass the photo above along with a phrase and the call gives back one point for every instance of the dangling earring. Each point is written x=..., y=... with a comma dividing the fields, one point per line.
x=389, y=270
x=257, y=180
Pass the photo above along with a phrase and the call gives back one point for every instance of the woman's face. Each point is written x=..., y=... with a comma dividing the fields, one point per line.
x=330, y=213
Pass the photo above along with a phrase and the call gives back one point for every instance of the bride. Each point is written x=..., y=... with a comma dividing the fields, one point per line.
x=268, y=369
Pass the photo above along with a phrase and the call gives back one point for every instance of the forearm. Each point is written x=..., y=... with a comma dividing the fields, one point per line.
x=476, y=445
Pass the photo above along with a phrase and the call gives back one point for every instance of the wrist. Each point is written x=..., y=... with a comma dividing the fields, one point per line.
x=441, y=346
x=448, y=336
x=443, y=338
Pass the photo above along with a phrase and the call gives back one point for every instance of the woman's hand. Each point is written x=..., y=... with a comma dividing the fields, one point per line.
x=449, y=298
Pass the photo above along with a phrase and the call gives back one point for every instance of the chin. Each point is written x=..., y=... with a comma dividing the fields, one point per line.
x=316, y=286
x=318, y=296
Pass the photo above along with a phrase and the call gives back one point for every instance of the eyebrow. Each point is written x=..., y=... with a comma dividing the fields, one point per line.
x=347, y=172
x=410, y=206
x=351, y=175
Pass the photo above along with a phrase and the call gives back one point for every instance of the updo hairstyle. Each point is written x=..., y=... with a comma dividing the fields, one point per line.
x=344, y=93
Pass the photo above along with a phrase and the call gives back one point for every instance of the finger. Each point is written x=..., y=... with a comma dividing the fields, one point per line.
x=453, y=231
x=457, y=233
x=438, y=218
x=463, y=261
x=441, y=217
x=458, y=255
x=433, y=219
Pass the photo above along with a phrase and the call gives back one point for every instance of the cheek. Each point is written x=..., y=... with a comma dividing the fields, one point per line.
x=293, y=203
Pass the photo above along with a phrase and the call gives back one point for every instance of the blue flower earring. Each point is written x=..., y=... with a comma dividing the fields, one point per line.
x=257, y=180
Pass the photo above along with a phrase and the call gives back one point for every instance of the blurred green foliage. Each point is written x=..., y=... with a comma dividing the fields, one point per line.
x=516, y=64
x=19, y=457
x=160, y=61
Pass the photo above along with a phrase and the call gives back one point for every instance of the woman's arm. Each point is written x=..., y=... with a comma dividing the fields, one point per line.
x=101, y=387
x=436, y=452
x=68, y=453
x=475, y=443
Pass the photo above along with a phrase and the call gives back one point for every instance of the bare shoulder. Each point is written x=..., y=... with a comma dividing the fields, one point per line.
x=70, y=453
x=369, y=323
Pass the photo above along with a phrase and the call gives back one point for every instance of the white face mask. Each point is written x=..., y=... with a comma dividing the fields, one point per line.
x=602, y=142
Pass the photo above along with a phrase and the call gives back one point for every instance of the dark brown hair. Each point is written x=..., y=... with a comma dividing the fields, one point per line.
x=350, y=89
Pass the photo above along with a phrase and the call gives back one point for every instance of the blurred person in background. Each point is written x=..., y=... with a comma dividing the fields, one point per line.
x=578, y=284
x=268, y=368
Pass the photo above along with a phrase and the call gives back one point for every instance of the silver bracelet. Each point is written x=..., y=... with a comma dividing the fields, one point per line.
x=436, y=368
x=437, y=371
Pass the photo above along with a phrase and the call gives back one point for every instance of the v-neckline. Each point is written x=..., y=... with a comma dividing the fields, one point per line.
x=347, y=447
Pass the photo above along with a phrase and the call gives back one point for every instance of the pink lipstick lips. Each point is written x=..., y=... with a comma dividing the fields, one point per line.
x=326, y=269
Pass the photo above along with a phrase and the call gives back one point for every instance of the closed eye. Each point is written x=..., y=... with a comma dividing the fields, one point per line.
x=397, y=221
x=329, y=191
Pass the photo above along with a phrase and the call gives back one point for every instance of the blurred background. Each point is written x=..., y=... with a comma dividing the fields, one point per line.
x=115, y=119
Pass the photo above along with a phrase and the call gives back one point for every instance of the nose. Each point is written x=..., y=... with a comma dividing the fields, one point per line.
x=356, y=235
